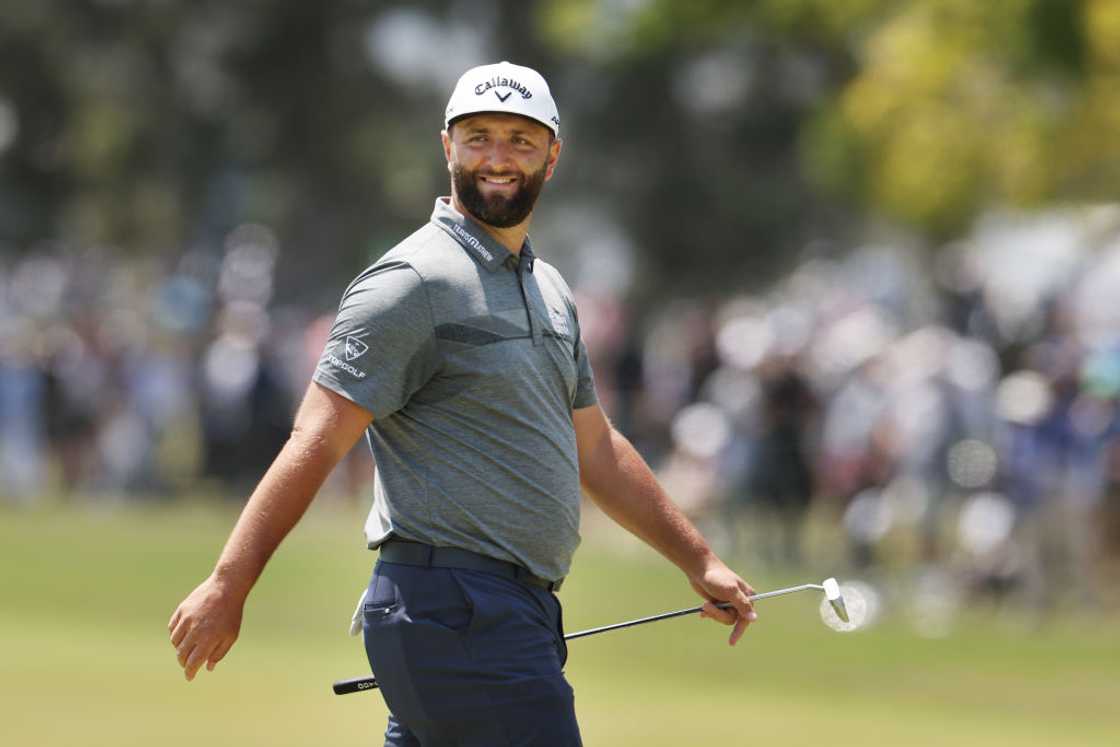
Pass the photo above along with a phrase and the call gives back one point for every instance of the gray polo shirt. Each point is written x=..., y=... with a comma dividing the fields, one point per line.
x=471, y=362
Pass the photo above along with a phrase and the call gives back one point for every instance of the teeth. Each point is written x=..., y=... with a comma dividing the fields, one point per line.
x=498, y=179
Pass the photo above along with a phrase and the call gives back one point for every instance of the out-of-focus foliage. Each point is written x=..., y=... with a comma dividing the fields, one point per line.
x=961, y=104
x=151, y=127
x=937, y=110
x=596, y=26
x=709, y=133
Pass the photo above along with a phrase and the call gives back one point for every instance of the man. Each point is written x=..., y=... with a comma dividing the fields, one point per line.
x=459, y=355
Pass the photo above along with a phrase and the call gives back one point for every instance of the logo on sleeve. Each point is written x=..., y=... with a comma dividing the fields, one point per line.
x=352, y=348
x=355, y=348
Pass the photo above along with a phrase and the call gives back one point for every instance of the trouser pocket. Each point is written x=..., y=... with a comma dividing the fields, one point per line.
x=382, y=596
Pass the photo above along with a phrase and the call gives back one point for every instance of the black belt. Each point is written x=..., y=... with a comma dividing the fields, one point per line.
x=408, y=552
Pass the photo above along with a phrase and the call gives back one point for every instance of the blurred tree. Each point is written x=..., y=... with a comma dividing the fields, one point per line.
x=958, y=106
x=150, y=127
x=929, y=111
x=707, y=129
x=693, y=116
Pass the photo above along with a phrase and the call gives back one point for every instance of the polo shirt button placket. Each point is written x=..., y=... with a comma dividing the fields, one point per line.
x=535, y=330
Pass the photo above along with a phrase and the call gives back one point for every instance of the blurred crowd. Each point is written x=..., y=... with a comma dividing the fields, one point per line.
x=956, y=411
x=148, y=377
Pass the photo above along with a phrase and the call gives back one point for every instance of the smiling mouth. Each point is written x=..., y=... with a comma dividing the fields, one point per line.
x=498, y=181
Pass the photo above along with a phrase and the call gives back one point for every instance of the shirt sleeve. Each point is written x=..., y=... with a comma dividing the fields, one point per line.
x=381, y=348
x=585, y=378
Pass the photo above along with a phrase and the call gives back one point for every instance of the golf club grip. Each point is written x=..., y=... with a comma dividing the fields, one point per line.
x=354, y=685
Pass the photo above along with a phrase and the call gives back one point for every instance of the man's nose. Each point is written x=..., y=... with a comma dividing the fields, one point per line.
x=500, y=155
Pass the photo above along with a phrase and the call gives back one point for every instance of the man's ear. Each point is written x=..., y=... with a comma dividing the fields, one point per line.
x=553, y=157
x=445, y=138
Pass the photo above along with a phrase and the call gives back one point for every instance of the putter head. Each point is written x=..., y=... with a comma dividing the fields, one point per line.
x=835, y=598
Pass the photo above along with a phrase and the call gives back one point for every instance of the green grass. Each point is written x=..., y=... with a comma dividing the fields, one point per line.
x=84, y=656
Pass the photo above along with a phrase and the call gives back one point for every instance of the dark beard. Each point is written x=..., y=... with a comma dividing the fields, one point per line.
x=498, y=211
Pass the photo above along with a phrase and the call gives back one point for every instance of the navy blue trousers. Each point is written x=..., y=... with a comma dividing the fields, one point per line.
x=468, y=659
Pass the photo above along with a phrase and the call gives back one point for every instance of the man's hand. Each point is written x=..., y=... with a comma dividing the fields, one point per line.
x=720, y=584
x=622, y=484
x=205, y=626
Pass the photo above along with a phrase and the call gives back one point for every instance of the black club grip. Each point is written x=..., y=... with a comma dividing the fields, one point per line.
x=354, y=685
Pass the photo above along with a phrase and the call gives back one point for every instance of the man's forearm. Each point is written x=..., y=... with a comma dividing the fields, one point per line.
x=279, y=501
x=624, y=486
x=206, y=624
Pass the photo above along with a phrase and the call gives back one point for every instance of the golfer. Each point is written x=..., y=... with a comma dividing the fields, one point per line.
x=458, y=354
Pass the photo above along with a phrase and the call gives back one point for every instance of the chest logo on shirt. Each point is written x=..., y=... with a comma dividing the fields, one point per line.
x=355, y=348
x=559, y=321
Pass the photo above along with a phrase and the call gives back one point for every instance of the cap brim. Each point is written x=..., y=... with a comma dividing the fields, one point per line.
x=534, y=120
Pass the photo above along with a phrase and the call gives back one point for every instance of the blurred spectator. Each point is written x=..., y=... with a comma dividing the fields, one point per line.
x=245, y=407
x=21, y=405
x=781, y=474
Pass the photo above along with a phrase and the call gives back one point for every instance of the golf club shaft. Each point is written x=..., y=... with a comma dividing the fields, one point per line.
x=688, y=611
x=358, y=684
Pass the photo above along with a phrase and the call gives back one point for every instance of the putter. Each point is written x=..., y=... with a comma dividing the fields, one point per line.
x=829, y=586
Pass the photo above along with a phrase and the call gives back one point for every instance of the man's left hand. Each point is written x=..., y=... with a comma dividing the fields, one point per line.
x=721, y=584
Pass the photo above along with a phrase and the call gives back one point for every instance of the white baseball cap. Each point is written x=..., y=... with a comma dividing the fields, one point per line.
x=503, y=87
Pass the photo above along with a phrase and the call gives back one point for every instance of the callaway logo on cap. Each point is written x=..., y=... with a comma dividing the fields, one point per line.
x=503, y=87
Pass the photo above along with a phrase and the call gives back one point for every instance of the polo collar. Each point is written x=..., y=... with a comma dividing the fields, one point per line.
x=478, y=243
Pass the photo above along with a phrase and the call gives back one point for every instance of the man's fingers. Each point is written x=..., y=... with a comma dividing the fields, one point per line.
x=179, y=634
x=745, y=613
x=196, y=659
x=183, y=652
x=174, y=619
x=218, y=654
x=740, y=628
x=743, y=604
x=727, y=617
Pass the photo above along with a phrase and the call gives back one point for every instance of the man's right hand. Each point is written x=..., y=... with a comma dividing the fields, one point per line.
x=205, y=625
